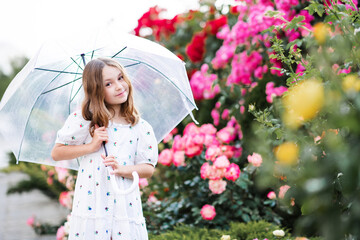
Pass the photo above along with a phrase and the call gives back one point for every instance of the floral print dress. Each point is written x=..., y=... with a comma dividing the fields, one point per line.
x=98, y=212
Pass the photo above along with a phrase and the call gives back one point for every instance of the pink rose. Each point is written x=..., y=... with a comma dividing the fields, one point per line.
x=62, y=173
x=178, y=144
x=50, y=180
x=198, y=139
x=221, y=162
x=212, y=152
x=152, y=199
x=216, y=116
x=30, y=221
x=216, y=173
x=179, y=158
x=225, y=114
x=217, y=186
x=205, y=170
x=194, y=150
x=283, y=190
x=191, y=129
x=232, y=172
x=208, y=129
x=227, y=151
x=255, y=159
x=271, y=195
x=60, y=234
x=227, y=134
x=65, y=199
x=210, y=140
x=165, y=157
x=143, y=182
x=168, y=138
x=208, y=212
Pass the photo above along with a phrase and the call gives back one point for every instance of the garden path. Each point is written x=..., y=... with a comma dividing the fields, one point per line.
x=16, y=208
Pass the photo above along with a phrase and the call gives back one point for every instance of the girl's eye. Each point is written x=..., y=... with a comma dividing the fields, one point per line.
x=121, y=77
x=107, y=84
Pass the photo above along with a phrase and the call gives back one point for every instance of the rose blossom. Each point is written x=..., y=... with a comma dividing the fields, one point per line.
x=205, y=170
x=216, y=116
x=221, y=162
x=208, y=129
x=60, y=234
x=217, y=186
x=143, y=182
x=212, y=152
x=232, y=172
x=178, y=144
x=208, y=212
x=227, y=134
x=255, y=159
x=30, y=221
x=165, y=157
x=283, y=190
x=179, y=158
x=216, y=173
x=62, y=173
x=271, y=195
x=65, y=199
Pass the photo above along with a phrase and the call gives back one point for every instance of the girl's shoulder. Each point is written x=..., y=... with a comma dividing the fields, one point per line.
x=77, y=117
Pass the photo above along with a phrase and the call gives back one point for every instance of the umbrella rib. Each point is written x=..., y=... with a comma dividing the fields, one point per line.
x=75, y=94
x=119, y=52
x=27, y=121
x=83, y=58
x=138, y=62
x=132, y=65
x=51, y=70
x=76, y=63
x=61, y=86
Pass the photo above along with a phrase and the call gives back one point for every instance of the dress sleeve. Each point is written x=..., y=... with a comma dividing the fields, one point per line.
x=75, y=130
x=147, y=148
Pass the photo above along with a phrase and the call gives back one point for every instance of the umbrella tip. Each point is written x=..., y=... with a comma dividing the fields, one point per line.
x=83, y=58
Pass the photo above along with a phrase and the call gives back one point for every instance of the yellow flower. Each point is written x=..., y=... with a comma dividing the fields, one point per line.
x=351, y=82
x=320, y=32
x=303, y=102
x=287, y=153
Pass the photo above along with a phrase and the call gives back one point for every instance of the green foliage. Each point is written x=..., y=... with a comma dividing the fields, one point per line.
x=5, y=78
x=240, y=201
x=38, y=179
x=239, y=231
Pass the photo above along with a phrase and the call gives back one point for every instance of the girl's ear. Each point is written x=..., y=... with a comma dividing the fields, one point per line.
x=96, y=126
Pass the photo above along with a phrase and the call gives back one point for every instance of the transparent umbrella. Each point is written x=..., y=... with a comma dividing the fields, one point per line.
x=39, y=99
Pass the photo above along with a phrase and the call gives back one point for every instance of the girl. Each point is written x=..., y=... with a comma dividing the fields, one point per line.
x=108, y=115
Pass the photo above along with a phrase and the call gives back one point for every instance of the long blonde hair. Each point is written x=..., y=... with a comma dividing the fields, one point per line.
x=94, y=107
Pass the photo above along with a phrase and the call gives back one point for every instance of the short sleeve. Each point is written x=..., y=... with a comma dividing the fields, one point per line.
x=75, y=130
x=147, y=148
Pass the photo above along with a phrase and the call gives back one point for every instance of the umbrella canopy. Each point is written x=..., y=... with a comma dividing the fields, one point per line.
x=40, y=98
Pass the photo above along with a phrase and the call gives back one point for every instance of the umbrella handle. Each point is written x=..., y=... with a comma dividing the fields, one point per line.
x=133, y=186
x=114, y=183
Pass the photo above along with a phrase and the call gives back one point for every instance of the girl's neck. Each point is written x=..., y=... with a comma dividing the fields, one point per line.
x=117, y=117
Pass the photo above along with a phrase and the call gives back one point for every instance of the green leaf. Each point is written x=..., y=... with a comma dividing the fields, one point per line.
x=316, y=7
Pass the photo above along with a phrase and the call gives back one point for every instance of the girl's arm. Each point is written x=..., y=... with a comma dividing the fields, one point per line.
x=144, y=170
x=68, y=152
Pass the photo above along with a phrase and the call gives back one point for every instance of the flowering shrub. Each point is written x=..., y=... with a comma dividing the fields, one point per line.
x=309, y=135
x=231, y=63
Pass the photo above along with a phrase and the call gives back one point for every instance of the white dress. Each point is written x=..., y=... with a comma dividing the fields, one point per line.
x=98, y=212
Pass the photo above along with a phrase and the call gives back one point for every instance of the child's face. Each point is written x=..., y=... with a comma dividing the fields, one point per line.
x=116, y=88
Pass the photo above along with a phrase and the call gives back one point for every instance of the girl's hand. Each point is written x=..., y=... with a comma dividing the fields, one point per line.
x=111, y=161
x=100, y=136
